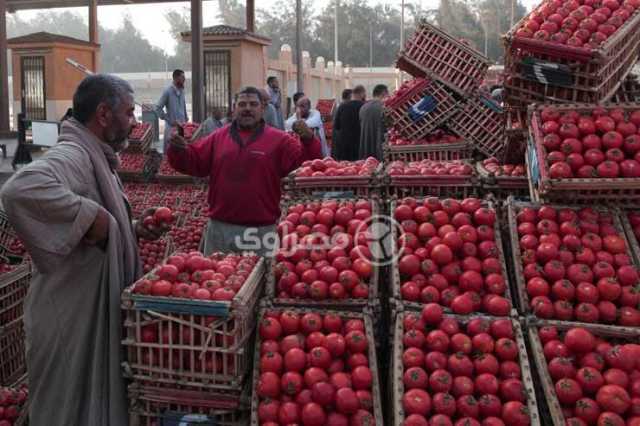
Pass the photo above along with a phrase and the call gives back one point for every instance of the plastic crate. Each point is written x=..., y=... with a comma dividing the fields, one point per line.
x=13, y=290
x=516, y=133
x=433, y=53
x=395, y=281
x=396, y=384
x=437, y=152
x=502, y=187
x=424, y=106
x=481, y=121
x=12, y=353
x=342, y=304
x=332, y=186
x=582, y=75
x=200, y=345
x=623, y=191
x=376, y=387
x=629, y=91
x=141, y=141
x=632, y=335
x=156, y=407
x=7, y=233
x=513, y=207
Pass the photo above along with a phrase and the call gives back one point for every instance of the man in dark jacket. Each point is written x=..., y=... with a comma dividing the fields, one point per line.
x=348, y=126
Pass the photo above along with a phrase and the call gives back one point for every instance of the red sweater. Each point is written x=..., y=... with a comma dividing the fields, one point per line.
x=244, y=181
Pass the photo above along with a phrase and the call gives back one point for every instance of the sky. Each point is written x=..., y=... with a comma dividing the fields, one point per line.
x=149, y=19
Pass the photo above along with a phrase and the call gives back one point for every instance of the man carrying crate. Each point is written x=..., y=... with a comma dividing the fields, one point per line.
x=244, y=162
x=70, y=211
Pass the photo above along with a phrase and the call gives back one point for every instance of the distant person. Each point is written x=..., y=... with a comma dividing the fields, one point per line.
x=275, y=95
x=348, y=125
x=270, y=112
x=216, y=121
x=313, y=119
x=497, y=94
x=372, y=128
x=346, y=97
x=173, y=100
x=296, y=97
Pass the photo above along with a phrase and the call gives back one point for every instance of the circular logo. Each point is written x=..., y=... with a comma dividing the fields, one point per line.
x=379, y=231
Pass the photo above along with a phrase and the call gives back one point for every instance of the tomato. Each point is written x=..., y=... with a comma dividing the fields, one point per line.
x=268, y=385
x=295, y=360
x=568, y=391
x=336, y=344
x=323, y=393
x=289, y=412
x=462, y=386
x=486, y=384
x=268, y=410
x=506, y=349
x=416, y=401
x=610, y=419
x=579, y=340
x=613, y=398
x=271, y=361
x=270, y=329
x=515, y=413
x=560, y=368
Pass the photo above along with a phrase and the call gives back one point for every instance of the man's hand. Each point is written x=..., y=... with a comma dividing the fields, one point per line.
x=150, y=232
x=178, y=141
x=301, y=128
x=98, y=234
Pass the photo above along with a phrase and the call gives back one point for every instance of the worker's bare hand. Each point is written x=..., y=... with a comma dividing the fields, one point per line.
x=98, y=233
x=178, y=141
x=301, y=128
x=146, y=228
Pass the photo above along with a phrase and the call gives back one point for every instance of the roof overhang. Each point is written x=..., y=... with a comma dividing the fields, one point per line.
x=16, y=5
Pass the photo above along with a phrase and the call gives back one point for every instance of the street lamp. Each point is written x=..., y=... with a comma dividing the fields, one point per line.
x=300, y=81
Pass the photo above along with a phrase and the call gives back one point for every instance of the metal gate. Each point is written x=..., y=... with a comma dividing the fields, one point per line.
x=217, y=81
x=33, y=88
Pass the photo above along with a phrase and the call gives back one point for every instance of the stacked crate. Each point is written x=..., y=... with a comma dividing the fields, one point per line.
x=15, y=277
x=189, y=357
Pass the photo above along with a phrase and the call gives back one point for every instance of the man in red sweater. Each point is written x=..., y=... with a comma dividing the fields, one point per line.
x=245, y=162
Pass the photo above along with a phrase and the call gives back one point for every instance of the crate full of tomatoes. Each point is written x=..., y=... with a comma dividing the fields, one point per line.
x=565, y=51
x=331, y=176
x=326, y=256
x=14, y=284
x=13, y=405
x=315, y=368
x=585, y=153
x=460, y=370
x=573, y=264
x=503, y=180
x=140, y=138
x=450, y=253
x=452, y=178
x=188, y=323
x=589, y=374
x=440, y=145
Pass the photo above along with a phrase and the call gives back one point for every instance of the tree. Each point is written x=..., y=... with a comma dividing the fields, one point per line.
x=232, y=12
x=179, y=22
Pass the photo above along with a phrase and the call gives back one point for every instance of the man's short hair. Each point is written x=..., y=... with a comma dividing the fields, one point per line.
x=177, y=73
x=297, y=96
x=96, y=89
x=271, y=78
x=346, y=94
x=359, y=90
x=248, y=90
x=305, y=100
x=379, y=90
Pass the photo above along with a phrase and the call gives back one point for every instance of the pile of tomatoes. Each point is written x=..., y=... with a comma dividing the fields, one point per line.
x=324, y=251
x=602, y=144
x=131, y=162
x=139, y=131
x=576, y=266
x=329, y=167
x=493, y=166
x=576, y=23
x=460, y=373
x=11, y=403
x=192, y=275
x=315, y=370
x=430, y=168
x=449, y=255
x=439, y=136
x=597, y=381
